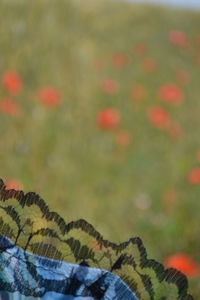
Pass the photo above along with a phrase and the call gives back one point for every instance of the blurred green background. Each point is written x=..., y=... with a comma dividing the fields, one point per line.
x=138, y=177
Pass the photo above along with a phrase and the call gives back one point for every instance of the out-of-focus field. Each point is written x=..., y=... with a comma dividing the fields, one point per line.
x=131, y=170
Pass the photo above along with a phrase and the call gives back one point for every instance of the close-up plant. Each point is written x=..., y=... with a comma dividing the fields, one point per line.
x=99, y=115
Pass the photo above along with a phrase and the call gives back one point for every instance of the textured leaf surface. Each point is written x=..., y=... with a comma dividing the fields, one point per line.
x=28, y=222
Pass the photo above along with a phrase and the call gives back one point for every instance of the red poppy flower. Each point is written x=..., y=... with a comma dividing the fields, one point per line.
x=13, y=184
x=9, y=107
x=96, y=246
x=159, y=117
x=123, y=138
x=140, y=49
x=182, y=77
x=138, y=92
x=110, y=86
x=178, y=38
x=119, y=60
x=171, y=93
x=108, y=118
x=194, y=176
x=49, y=96
x=12, y=82
x=184, y=263
x=149, y=65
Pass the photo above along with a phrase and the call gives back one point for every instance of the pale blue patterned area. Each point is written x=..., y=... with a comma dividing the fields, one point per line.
x=27, y=276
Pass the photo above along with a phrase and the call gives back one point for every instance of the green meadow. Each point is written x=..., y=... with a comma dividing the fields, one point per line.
x=137, y=174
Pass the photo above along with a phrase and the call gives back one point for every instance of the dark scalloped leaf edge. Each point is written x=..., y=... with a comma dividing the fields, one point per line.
x=170, y=275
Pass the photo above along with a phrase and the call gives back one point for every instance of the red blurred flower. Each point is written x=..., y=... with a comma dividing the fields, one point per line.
x=110, y=86
x=138, y=92
x=96, y=246
x=13, y=184
x=159, y=117
x=12, y=82
x=171, y=93
x=175, y=130
x=123, y=138
x=178, y=38
x=182, y=77
x=108, y=118
x=119, y=60
x=194, y=176
x=184, y=263
x=140, y=49
x=149, y=65
x=9, y=107
x=49, y=96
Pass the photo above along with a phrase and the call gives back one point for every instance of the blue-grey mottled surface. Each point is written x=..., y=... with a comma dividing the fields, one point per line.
x=27, y=276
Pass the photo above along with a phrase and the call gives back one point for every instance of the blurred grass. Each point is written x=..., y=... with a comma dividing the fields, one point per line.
x=63, y=155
